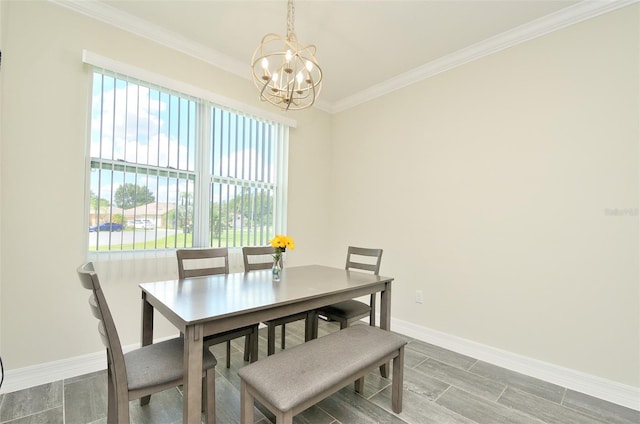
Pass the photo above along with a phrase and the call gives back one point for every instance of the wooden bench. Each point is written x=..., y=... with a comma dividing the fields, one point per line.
x=291, y=381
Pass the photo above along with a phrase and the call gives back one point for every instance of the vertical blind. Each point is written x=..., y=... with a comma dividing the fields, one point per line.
x=169, y=170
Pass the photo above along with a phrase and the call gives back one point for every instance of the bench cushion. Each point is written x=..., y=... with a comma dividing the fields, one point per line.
x=293, y=376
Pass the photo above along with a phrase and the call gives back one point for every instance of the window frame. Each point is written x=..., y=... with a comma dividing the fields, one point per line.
x=208, y=101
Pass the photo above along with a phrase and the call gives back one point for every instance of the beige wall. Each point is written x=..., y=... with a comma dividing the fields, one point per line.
x=2, y=30
x=44, y=238
x=490, y=189
x=487, y=186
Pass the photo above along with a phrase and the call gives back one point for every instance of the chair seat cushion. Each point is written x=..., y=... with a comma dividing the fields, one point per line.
x=159, y=363
x=318, y=365
x=347, y=309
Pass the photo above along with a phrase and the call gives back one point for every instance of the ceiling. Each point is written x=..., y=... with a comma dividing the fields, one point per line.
x=365, y=48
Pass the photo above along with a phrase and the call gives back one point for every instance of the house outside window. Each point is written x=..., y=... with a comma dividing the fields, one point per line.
x=168, y=170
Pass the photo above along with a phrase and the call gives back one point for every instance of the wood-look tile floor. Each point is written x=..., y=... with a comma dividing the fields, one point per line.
x=440, y=387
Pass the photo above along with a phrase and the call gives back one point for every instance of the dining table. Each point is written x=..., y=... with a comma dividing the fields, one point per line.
x=202, y=306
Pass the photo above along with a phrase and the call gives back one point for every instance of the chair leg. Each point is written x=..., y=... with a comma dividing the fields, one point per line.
x=144, y=400
x=228, y=353
x=112, y=409
x=117, y=409
x=314, y=332
x=344, y=324
x=282, y=337
x=311, y=326
x=372, y=314
x=254, y=344
x=246, y=404
x=271, y=339
x=247, y=348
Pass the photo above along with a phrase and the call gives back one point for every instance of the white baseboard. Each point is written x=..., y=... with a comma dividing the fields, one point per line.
x=36, y=375
x=22, y=378
x=598, y=387
x=611, y=391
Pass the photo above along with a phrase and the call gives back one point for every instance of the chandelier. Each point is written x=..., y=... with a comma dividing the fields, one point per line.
x=285, y=71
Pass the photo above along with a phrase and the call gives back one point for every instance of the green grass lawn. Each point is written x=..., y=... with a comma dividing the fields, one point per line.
x=182, y=240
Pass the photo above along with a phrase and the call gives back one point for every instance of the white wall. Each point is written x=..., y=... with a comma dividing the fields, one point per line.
x=44, y=107
x=491, y=188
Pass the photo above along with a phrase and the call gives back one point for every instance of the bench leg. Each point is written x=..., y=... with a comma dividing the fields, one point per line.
x=284, y=417
x=359, y=385
x=384, y=370
x=397, y=382
x=246, y=404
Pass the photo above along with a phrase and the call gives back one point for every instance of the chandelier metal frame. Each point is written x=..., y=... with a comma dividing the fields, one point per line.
x=286, y=72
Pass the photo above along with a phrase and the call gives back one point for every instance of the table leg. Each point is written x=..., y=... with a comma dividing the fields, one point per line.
x=147, y=321
x=385, y=320
x=147, y=333
x=311, y=326
x=192, y=384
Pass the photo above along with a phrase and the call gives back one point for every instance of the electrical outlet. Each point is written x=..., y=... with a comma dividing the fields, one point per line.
x=419, y=297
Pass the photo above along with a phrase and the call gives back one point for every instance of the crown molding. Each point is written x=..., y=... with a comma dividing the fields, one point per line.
x=103, y=12
x=579, y=12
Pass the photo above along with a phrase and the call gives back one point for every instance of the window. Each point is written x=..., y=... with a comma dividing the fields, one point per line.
x=169, y=170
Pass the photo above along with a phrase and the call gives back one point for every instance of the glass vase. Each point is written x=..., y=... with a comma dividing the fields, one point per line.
x=276, y=270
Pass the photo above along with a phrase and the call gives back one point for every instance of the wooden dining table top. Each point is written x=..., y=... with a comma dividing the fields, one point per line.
x=199, y=299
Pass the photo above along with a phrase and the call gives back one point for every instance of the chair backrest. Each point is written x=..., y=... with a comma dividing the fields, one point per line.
x=195, y=258
x=372, y=265
x=258, y=258
x=106, y=328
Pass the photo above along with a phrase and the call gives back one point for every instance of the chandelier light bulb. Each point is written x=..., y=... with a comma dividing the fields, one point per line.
x=265, y=69
x=299, y=79
x=287, y=59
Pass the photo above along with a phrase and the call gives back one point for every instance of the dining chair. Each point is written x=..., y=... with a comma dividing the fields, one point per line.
x=261, y=257
x=214, y=261
x=346, y=312
x=144, y=371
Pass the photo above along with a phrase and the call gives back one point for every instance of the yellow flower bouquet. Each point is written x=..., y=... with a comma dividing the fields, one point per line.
x=280, y=243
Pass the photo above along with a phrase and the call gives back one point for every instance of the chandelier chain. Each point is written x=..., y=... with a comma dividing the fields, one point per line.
x=290, y=16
